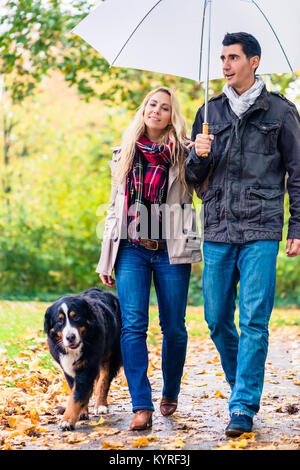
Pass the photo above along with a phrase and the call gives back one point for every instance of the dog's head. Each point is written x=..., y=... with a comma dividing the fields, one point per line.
x=68, y=321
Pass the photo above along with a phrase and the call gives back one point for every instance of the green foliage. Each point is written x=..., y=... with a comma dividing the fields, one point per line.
x=48, y=240
x=37, y=40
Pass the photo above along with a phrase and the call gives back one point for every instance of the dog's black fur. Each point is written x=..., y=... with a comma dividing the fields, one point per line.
x=83, y=334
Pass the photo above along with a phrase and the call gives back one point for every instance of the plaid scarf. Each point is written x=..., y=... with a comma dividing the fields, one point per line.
x=146, y=179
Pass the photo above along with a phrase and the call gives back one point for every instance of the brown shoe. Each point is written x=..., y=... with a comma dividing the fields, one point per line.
x=168, y=407
x=142, y=420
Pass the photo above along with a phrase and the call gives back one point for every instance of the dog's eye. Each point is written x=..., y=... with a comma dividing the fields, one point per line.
x=74, y=316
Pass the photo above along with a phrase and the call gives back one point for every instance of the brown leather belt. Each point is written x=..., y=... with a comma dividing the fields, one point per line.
x=153, y=244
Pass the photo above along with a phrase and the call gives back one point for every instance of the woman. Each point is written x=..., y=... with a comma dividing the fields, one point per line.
x=148, y=194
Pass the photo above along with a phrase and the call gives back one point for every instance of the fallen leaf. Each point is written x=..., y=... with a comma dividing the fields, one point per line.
x=179, y=443
x=112, y=445
x=20, y=423
x=75, y=437
x=247, y=435
x=140, y=442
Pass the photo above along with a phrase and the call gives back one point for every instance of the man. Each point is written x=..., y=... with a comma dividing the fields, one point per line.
x=253, y=141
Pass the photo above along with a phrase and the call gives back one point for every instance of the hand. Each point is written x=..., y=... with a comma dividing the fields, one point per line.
x=203, y=144
x=191, y=144
x=107, y=280
x=293, y=247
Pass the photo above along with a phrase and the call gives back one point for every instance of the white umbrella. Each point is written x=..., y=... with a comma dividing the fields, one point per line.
x=184, y=37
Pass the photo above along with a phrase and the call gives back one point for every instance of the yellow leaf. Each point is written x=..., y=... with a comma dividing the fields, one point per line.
x=6, y=447
x=75, y=437
x=112, y=445
x=114, y=387
x=239, y=444
x=34, y=416
x=64, y=387
x=247, y=435
x=20, y=423
x=140, y=442
x=219, y=394
x=101, y=420
x=179, y=443
x=216, y=359
x=34, y=365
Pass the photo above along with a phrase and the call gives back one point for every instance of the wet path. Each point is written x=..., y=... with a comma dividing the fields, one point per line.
x=202, y=414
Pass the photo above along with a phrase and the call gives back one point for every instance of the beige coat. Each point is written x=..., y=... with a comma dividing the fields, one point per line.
x=183, y=241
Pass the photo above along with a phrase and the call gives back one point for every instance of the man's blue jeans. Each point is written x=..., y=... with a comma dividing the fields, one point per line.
x=242, y=355
x=134, y=268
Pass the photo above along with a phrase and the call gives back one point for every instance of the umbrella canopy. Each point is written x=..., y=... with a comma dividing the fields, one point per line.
x=172, y=36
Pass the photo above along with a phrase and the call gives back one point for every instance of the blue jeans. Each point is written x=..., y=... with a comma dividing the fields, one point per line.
x=134, y=267
x=242, y=355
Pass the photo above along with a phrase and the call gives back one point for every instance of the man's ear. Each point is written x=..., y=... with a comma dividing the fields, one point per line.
x=254, y=61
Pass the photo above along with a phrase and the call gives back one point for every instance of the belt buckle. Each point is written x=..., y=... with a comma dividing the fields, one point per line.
x=156, y=248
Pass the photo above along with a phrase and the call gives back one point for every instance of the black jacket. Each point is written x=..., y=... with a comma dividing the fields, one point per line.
x=249, y=161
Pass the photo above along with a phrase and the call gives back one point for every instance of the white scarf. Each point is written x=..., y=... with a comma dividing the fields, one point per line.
x=240, y=103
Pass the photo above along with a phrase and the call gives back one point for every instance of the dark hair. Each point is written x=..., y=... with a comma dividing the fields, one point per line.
x=250, y=45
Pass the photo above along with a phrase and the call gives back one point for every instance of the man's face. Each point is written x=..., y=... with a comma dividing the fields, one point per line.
x=237, y=69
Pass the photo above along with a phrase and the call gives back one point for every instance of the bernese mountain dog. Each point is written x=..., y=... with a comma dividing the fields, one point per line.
x=83, y=333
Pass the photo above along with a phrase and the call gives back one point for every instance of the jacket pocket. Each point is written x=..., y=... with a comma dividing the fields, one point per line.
x=265, y=207
x=211, y=202
x=262, y=137
x=221, y=132
x=190, y=229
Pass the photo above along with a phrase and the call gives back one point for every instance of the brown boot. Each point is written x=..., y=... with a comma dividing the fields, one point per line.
x=168, y=407
x=142, y=420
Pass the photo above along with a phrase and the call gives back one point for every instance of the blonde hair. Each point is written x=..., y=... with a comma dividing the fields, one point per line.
x=174, y=132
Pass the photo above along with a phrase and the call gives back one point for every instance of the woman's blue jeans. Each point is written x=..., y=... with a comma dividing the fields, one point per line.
x=134, y=268
x=242, y=355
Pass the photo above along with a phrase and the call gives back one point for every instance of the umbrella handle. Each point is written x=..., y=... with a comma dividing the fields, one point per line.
x=205, y=131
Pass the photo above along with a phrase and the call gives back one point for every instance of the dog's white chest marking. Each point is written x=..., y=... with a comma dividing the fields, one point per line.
x=67, y=361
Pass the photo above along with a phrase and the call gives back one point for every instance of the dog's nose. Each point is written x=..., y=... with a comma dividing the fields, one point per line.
x=70, y=338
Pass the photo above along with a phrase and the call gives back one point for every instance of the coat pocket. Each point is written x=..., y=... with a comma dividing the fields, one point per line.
x=211, y=201
x=262, y=137
x=265, y=207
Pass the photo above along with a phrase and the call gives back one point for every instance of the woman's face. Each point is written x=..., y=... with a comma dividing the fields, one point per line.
x=157, y=114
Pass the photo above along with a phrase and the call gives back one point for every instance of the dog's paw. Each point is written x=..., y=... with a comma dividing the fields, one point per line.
x=84, y=416
x=66, y=426
x=101, y=410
